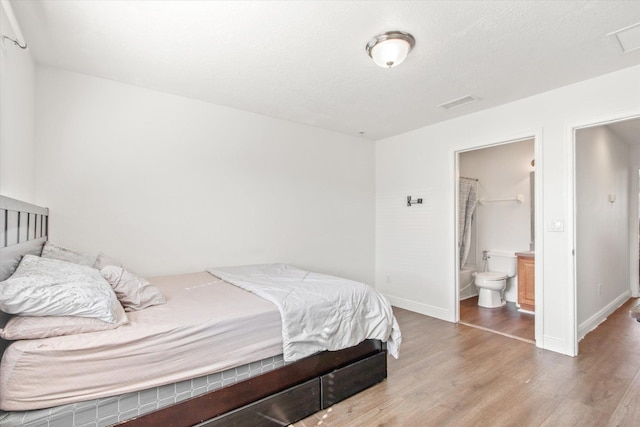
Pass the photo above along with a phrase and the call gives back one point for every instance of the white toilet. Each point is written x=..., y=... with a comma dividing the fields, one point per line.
x=500, y=265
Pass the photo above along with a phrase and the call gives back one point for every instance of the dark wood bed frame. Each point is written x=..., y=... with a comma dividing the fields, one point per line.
x=282, y=396
x=276, y=398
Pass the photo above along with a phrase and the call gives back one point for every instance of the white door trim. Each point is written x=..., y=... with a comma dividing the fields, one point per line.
x=570, y=132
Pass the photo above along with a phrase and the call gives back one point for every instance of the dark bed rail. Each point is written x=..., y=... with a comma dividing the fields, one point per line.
x=205, y=407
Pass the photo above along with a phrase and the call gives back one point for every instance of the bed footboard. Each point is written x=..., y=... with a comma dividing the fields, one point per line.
x=282, y=396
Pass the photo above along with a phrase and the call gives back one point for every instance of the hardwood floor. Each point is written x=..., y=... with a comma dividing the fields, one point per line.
x=454, y=375
x=505, y=320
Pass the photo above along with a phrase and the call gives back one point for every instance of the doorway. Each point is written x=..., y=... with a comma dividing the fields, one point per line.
x=501, y=179
x=606, y=219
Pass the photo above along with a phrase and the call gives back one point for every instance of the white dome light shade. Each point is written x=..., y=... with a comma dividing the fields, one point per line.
x=390, y=49
x=390, y=53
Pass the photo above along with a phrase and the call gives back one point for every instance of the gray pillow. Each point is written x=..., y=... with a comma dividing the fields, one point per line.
x=103, y=260
x=50, y=287
x=135, y=293
x=63, y=254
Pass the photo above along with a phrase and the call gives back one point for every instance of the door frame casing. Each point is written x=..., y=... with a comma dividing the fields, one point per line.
x=536, y=135
x=570, y=132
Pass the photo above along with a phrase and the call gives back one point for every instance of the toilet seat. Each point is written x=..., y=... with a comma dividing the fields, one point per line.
x=491, y=275
x=491, y=284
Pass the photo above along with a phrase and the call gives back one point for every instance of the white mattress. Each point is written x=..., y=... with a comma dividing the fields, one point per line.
x=206, y=326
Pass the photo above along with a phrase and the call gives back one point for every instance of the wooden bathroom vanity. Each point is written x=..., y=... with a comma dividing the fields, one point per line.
x=526, y=281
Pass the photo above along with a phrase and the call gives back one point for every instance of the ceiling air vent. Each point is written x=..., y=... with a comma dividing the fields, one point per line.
x=458, y=102
x=628, y=37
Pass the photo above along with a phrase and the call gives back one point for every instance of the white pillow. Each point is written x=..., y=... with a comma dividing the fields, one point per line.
x=135, y=293
x=34, y=327
x=49, y=250
x=50, y=287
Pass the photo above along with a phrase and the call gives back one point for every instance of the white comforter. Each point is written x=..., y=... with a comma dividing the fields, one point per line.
x=319, y=312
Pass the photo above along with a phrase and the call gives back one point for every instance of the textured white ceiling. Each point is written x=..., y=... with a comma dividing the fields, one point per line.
x=305, y=61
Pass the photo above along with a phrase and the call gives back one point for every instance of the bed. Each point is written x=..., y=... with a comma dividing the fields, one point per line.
x=257, y=387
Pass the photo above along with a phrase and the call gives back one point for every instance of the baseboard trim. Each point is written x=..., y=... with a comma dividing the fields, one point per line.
x=601, y=315
x=418, y=307
x=462, y=298
x=555, y=344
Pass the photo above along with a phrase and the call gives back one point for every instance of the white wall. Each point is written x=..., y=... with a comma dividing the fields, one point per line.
x=634, y=216
x=169, y=184
x=503, y=172
x=415, y=247
x=602, y=226
x=17, y=110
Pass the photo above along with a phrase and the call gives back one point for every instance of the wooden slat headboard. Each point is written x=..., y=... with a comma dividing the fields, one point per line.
x=23, y=230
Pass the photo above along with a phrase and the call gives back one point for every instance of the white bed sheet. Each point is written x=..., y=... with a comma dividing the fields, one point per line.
x=206, y=326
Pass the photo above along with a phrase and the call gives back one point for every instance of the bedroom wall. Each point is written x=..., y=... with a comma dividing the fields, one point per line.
x=169, y=184
x=602, y=227
x=17, y=112
x=415, y=247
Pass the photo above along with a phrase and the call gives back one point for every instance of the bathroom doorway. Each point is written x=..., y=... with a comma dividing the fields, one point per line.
x=495, y=207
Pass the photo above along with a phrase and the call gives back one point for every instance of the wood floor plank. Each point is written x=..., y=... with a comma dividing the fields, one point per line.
x=574, y=413
x=454, y=375
x=506, y=319
x=628, y=411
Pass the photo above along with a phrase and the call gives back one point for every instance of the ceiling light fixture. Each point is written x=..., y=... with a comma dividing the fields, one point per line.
x=391, y=48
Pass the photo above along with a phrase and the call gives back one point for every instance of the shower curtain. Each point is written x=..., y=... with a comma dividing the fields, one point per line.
x=466, y=208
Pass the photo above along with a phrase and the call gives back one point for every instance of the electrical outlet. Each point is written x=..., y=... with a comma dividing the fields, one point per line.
x=599, y=289
x=388, y=279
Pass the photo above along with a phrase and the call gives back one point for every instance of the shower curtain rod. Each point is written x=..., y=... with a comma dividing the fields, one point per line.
x=471, y=179
x=13, y=24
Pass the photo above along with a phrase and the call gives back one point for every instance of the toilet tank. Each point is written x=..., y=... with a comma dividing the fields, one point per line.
x=502, y=262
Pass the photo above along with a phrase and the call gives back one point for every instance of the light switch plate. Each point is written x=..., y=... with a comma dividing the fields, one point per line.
x=555, y=225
